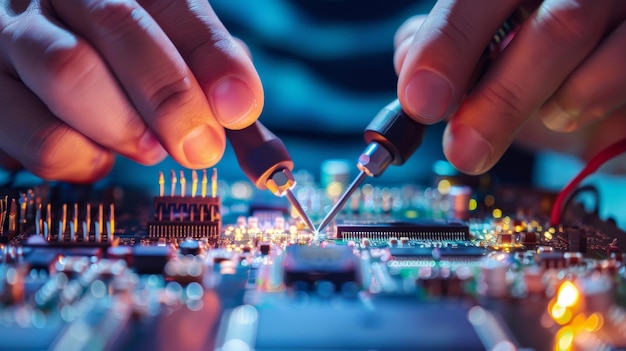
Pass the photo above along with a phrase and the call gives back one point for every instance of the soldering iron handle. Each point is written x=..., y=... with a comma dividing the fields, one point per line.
x=396, y=131
x=259, y=152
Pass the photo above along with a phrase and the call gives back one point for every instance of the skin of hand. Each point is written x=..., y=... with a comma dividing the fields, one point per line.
x=563, y=70
x=83, y=80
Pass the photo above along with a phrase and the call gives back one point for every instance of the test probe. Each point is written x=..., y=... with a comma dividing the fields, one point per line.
x=265, y=160
x=393, y=136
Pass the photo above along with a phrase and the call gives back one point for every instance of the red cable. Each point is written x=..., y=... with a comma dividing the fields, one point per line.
x=598, y=160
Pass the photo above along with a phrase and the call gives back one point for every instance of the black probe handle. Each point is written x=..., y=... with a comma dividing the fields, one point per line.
x=396, y=132
x=259, y=152
x=400, y=134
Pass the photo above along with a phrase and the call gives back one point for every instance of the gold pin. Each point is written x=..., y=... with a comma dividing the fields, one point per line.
x=88, y=221
x=100, y=219
x=173, y=181
x=183, y=183
x=75, y=216
x=214, y=183
x=49, y=216
x=205, y=180
x=194, y=183
x=63, y=220
x=161, y=184
x=112, y=221
x=13, y=216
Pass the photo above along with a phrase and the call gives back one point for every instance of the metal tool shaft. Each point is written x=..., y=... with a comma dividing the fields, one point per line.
x=342, y=200
x=298, y=207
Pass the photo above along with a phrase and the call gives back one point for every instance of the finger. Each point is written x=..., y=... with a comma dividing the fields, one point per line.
x=9, y=163
x=221, y=66
x=154, y=75
x=594, y=90
x=403, y=38
x=76, y=85
x=399, y=55
x=244, y=46
x=43, y=144
x=444, y=53
x=547, y=47
x=408, y=29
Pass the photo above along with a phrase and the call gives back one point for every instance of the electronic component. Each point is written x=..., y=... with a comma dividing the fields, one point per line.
x=373, y=277
x=412, y=230
x=180, y=216
x=307, y=265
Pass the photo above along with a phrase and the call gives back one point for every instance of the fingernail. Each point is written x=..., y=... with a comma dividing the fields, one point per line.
x=232, y=100
x=466, y=149
x=150, y=147
x=428, y=94
x=555, y=118
x=199, y=146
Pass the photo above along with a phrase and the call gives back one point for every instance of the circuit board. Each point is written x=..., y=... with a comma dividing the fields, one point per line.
x=203, y=267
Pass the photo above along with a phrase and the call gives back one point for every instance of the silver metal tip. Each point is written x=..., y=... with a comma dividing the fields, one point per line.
x=342, y=201
x=296, y=204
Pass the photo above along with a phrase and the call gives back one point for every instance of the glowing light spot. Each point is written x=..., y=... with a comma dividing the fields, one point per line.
x=241, y=190
x=594, y=322
x=367, y=190
x=562, y=315
x=547, y=236
x=411, y=214
x=496, y=213
x=490, y=200
x=568, y=295
x=444, y=187
x=473, y=205
x=98, y=289
x=557, y=311
x=11, y=276
x=334, y=189
x=565, y=338
x=194, y=291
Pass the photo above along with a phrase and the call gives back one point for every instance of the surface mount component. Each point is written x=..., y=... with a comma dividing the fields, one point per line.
x=426, y=230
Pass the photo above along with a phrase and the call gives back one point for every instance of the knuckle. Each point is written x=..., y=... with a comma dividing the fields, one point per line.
x=505, y=99
x=112, y=15
x=57, y=152
x=595, y=112
x=68, y=66
x=48, y=157
x=569, y=22
x=171, y=95
x=157, y=8
x=457, y=32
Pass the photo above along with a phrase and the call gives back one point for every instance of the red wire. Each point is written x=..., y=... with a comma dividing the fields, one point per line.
x=598, y=160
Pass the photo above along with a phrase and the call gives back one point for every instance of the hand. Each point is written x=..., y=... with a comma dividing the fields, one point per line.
x=565, y=65
x=82, y=80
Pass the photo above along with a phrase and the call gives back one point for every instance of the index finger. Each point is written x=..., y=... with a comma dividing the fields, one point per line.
x=219, y=63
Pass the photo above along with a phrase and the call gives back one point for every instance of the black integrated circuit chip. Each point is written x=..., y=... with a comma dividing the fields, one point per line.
x=426, y=230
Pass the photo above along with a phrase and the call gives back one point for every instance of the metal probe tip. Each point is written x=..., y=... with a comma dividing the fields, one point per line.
x=342, y=200
x=296, y=204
